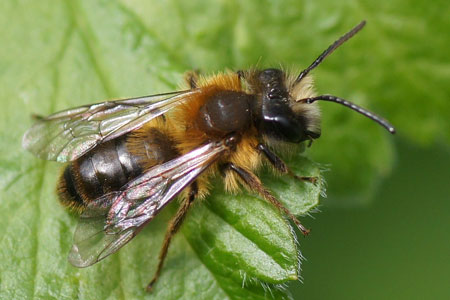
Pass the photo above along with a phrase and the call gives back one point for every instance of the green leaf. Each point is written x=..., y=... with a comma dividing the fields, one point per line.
x=56, y=55
x=231, y=247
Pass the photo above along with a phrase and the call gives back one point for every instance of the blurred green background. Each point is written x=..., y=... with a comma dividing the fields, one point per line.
x=383, y=230
x=397, y=247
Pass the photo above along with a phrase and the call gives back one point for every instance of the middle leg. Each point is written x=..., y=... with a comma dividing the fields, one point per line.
x=253, y=182
x=191, y=77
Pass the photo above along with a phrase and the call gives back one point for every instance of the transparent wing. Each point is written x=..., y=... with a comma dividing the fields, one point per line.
x=67, y=135
x=114, y=219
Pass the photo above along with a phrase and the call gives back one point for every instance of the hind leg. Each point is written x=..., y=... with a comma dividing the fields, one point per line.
x=172, y=229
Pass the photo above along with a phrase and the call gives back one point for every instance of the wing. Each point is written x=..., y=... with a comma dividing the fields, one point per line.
x=114, y=219
x=67, y=135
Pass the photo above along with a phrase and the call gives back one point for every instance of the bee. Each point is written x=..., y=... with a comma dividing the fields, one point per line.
x=129, y=158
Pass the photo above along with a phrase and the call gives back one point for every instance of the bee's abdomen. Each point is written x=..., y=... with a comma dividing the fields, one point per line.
x=105, y=169
x=67, y=190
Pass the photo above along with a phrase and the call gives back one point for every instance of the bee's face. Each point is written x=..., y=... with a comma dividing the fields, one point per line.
x=279, y=116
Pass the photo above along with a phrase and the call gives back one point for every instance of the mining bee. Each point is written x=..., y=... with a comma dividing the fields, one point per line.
x=130, y=158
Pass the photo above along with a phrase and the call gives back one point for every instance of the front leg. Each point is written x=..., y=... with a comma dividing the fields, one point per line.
x=280, y=165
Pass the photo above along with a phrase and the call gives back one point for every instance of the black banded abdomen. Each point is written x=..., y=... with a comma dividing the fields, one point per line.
x=107, y=168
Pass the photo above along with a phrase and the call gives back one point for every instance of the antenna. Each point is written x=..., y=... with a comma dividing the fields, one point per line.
x=330, y=50
x=350, y=105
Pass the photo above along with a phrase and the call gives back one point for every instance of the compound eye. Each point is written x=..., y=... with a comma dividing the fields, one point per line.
x=287, y=129
x=280, y=123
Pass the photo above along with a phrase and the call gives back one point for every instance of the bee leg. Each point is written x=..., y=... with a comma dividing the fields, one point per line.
x=240, y=74
x=280, y=165
x=191, y=78
x=256, y=185
x=172, y=229
x=37, y=117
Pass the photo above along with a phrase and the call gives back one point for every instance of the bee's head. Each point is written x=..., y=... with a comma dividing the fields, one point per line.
x=287, y=110
x=279, y=116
